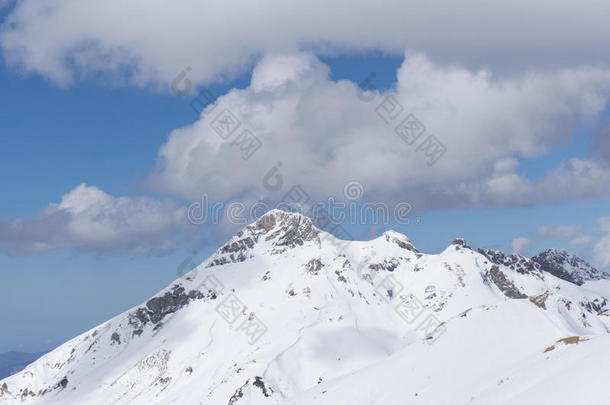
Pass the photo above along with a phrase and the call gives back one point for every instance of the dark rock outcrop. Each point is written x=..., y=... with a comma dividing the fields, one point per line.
x=159, y=307
x=461, y=243
x=283, y=229
x=518, y=263
x=504, y=284
x=567, y=266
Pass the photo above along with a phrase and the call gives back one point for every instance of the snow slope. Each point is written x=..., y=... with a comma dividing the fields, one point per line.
x=13, y=362
x=286, y=313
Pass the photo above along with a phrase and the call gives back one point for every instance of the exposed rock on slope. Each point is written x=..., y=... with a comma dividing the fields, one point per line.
x=568, y=266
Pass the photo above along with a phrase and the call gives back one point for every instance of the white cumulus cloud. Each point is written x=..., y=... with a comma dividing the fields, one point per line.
x=581, y=240
x=557, y=231
x=322, y=134
x=601, y=249
x=88, y=219
x=156, y=39
x=519, y=243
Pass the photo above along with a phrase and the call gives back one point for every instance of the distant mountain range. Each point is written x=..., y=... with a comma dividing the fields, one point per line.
x=13, y=362
x=285, y=313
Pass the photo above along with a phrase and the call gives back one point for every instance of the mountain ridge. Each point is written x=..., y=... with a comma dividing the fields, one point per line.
x=283, y=309
x=15, y=361
x=533, y=262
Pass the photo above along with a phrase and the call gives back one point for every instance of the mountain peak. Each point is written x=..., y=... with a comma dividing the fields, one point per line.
x=288, y=228
x=460, y=242
x=567, y=266
x=400, y=239
x=276, y=230
x=280, y=213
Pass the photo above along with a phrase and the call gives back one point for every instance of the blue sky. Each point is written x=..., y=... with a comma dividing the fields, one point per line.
x=58, y=135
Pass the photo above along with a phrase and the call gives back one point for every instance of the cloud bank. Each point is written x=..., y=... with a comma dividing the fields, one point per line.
x=557, y=231
x=493, y=82
x=90, y=220
x=144, y=42
x=602, y=246
x=519, y=243
x=323, y=134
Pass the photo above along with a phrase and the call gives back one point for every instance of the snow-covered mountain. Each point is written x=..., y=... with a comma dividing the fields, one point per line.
x=568, y=266
x=13, y=362
x=286, y=313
